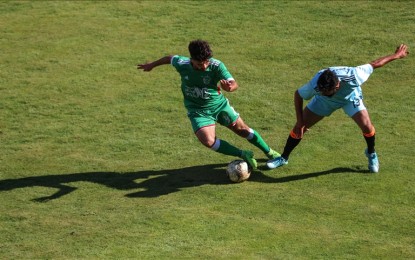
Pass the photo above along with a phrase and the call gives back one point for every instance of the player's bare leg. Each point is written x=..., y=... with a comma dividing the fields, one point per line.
x=207, y=136
x=310, y=119
x=362, y=119
x=243, y=130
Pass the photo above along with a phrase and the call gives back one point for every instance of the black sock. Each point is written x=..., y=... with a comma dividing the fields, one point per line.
x=370, y=144
x=289, y=146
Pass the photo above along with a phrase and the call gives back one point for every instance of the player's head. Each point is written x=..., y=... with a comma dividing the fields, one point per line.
x=328, y=83
x=200, y=54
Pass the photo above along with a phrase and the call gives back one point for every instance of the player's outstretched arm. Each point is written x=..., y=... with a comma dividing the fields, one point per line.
x=401, y=52
x=151, y=65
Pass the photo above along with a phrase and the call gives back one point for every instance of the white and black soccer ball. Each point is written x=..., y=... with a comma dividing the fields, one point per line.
x=238, y=171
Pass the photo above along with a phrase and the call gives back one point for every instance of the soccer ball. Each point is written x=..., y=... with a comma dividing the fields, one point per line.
x=238, y=171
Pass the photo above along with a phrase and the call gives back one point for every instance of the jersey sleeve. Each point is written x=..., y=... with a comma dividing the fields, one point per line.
x=363, y=72
x=308, y=90
x=175, y=60
x=224, y=73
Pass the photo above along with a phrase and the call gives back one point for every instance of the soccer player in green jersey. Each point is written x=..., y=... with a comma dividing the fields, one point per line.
x=205, y=103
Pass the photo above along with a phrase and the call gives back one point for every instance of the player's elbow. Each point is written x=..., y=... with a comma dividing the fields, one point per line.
x=375, y=65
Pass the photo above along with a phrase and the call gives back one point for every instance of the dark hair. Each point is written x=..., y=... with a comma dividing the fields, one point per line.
x=327, y=81
x=200, y=50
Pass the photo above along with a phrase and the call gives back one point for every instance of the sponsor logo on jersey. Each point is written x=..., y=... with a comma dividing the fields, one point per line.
x=196, y=92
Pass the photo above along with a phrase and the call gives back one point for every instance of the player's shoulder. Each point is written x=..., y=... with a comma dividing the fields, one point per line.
x=215, y=62
x=365, y=68
x=351, y=73
x=339, y=70
x=180, y=60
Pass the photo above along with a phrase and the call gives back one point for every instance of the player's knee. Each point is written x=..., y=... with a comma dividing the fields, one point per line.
x=205, y=139
x=208, y=142
x=369, y=131
x=241, y=130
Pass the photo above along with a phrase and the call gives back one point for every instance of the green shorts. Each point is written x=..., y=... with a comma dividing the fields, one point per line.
x=224, y=114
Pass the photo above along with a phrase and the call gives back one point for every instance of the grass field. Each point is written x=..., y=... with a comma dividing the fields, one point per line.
x=98, y=160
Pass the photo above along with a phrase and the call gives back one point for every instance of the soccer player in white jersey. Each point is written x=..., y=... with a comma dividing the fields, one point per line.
x=202, y=80
x=331, y=89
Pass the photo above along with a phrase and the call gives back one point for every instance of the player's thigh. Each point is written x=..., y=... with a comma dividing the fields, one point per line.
x=310, y=118
x=227, y=116
x=230, y=118
x=203, y=126
x=357, y=111
x=207, y=135
x=362, y=119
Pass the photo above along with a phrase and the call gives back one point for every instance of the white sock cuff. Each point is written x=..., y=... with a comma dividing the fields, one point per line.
x=251, y=134
x=216, y=145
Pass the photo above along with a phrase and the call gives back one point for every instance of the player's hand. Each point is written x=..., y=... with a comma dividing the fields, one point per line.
x=401, y=51
x=299, y=130
x=227, y=85
x=145, y=67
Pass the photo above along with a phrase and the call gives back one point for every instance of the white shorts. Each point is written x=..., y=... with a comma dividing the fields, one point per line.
x=324, y=108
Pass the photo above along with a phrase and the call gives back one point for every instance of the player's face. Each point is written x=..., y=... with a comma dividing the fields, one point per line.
x=331, y=92
x=199, y=65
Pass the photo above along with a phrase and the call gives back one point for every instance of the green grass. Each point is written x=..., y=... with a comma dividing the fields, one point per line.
x=98, y=160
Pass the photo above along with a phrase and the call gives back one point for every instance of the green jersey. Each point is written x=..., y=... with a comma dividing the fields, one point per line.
x=200, y=88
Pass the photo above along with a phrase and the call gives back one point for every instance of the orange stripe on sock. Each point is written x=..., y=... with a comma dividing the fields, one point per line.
x=370, y=134
x=294, y=135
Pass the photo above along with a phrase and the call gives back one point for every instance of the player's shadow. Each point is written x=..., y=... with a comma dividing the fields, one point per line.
x=299, y=177
x=150, y=183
